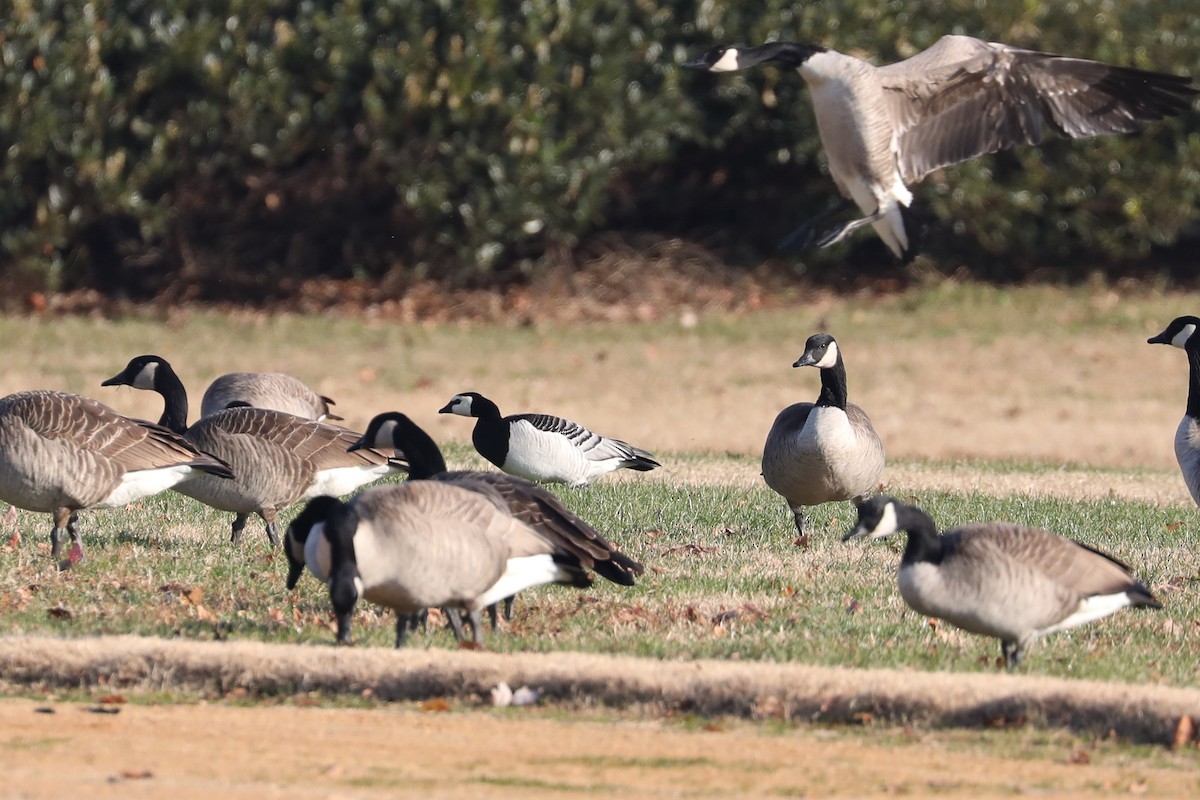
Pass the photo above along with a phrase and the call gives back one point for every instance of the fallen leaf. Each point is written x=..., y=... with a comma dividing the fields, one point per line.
x=864, y=717
x=434, y=704
x=1174, y=526
x=1185, y=729
x=854, y=607
x=195, y=595
x=112, y=700
x=712, y=727
x=136, y=774
x=801, y=542
x=1080, y=757
x=58, y=612
x=725, y=616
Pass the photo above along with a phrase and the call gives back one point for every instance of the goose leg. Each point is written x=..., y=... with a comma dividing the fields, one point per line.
x=493, y=612
x=1012, y=654
x=476, y=626
x=803, y=237
x=454, y=617
x=64, y=522
x=798, y=516
x=239, y=523
x=269, y=515
x=404, y=622
x=839, y=233
x=508, y=607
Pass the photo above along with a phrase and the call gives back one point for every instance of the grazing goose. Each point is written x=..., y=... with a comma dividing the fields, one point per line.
x=526, y=501
x=540, y=447
x=61, y=453
x=279, y=458
x=1182, y=333
x=824, y=451
x=273, y=390
x=1012, y=582
x=426, y=543
x=883, y=128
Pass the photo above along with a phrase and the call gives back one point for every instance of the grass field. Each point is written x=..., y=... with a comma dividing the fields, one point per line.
x=1053, y=392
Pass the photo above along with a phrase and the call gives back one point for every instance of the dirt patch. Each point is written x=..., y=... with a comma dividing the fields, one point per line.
x=205, y=751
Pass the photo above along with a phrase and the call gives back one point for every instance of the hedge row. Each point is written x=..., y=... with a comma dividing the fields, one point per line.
x=234, y=146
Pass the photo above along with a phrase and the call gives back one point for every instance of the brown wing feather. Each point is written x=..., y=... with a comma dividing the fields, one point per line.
x=102, y=432
x=1081, y=569
x=964, y=97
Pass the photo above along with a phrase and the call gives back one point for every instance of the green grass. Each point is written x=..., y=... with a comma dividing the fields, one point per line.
x=725, y=579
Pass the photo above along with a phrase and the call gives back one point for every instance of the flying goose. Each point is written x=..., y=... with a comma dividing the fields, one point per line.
x=1182, y=333
x=824, y=451
x=427, y=543
x=883, y=128
x=266, y=390
x=1012, y=582
x=540, y=447
x=528, y=502
x=279, y=458
x=61, y=453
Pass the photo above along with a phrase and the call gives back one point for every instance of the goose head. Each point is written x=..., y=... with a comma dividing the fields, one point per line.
x=722, y=58
x=877, y=519
x=820, y=351
x=304, y=543
x=1179, y=333
x=395, y=430
x=466, y=404
x=140, y=373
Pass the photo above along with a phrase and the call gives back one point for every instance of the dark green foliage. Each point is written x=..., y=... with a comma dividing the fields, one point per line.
x=243, y=145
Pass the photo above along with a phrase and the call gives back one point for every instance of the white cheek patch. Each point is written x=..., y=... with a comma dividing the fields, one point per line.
x=728, y=62
x=461, y=405
x=145, y=377
x=384, y=437
x=887, y=523
x=830, y=358
x=316, y=552
x=1185, y=333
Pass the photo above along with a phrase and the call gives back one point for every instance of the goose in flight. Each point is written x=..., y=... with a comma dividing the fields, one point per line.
x=883, y=128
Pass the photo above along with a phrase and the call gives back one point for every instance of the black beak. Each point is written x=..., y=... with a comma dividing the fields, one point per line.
x=447, y=409
x=1161, y=338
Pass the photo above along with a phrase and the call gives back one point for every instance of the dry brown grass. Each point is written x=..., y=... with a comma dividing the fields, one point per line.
x=752, y=690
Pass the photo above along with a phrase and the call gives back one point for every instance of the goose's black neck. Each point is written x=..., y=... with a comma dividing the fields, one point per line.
x=1193, y=401
x=483, y=408
x=924, y=544
x=424, y=456
x=175, y=402
x=792, y=54
x=833, y=385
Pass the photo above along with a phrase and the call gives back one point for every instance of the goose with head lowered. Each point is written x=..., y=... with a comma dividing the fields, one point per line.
x=540, y=447
x=824, y=451
x=528, y=502
x=61, y=453
x=883, y=128
x=279, y=458
x=274, y=390
x=1182, y=333
x=430, y=543
x=1013, y=582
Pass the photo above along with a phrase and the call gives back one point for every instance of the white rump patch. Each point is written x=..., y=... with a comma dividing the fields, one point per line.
x=521, y=574
x=341, y=481
x=316, y=553
x=1090, y=609
x=146, y=482
x=1185, y=333
x=728, y=62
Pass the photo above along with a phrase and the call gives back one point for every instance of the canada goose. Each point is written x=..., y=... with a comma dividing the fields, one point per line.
x=1182, y=333
x=279, y=458
x=540, y=447
x=883, y=128
x=266, y=390
x=1012, y=582
x=824, y=451
x=528, y=502
x=422, y=544
x=61, y=453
